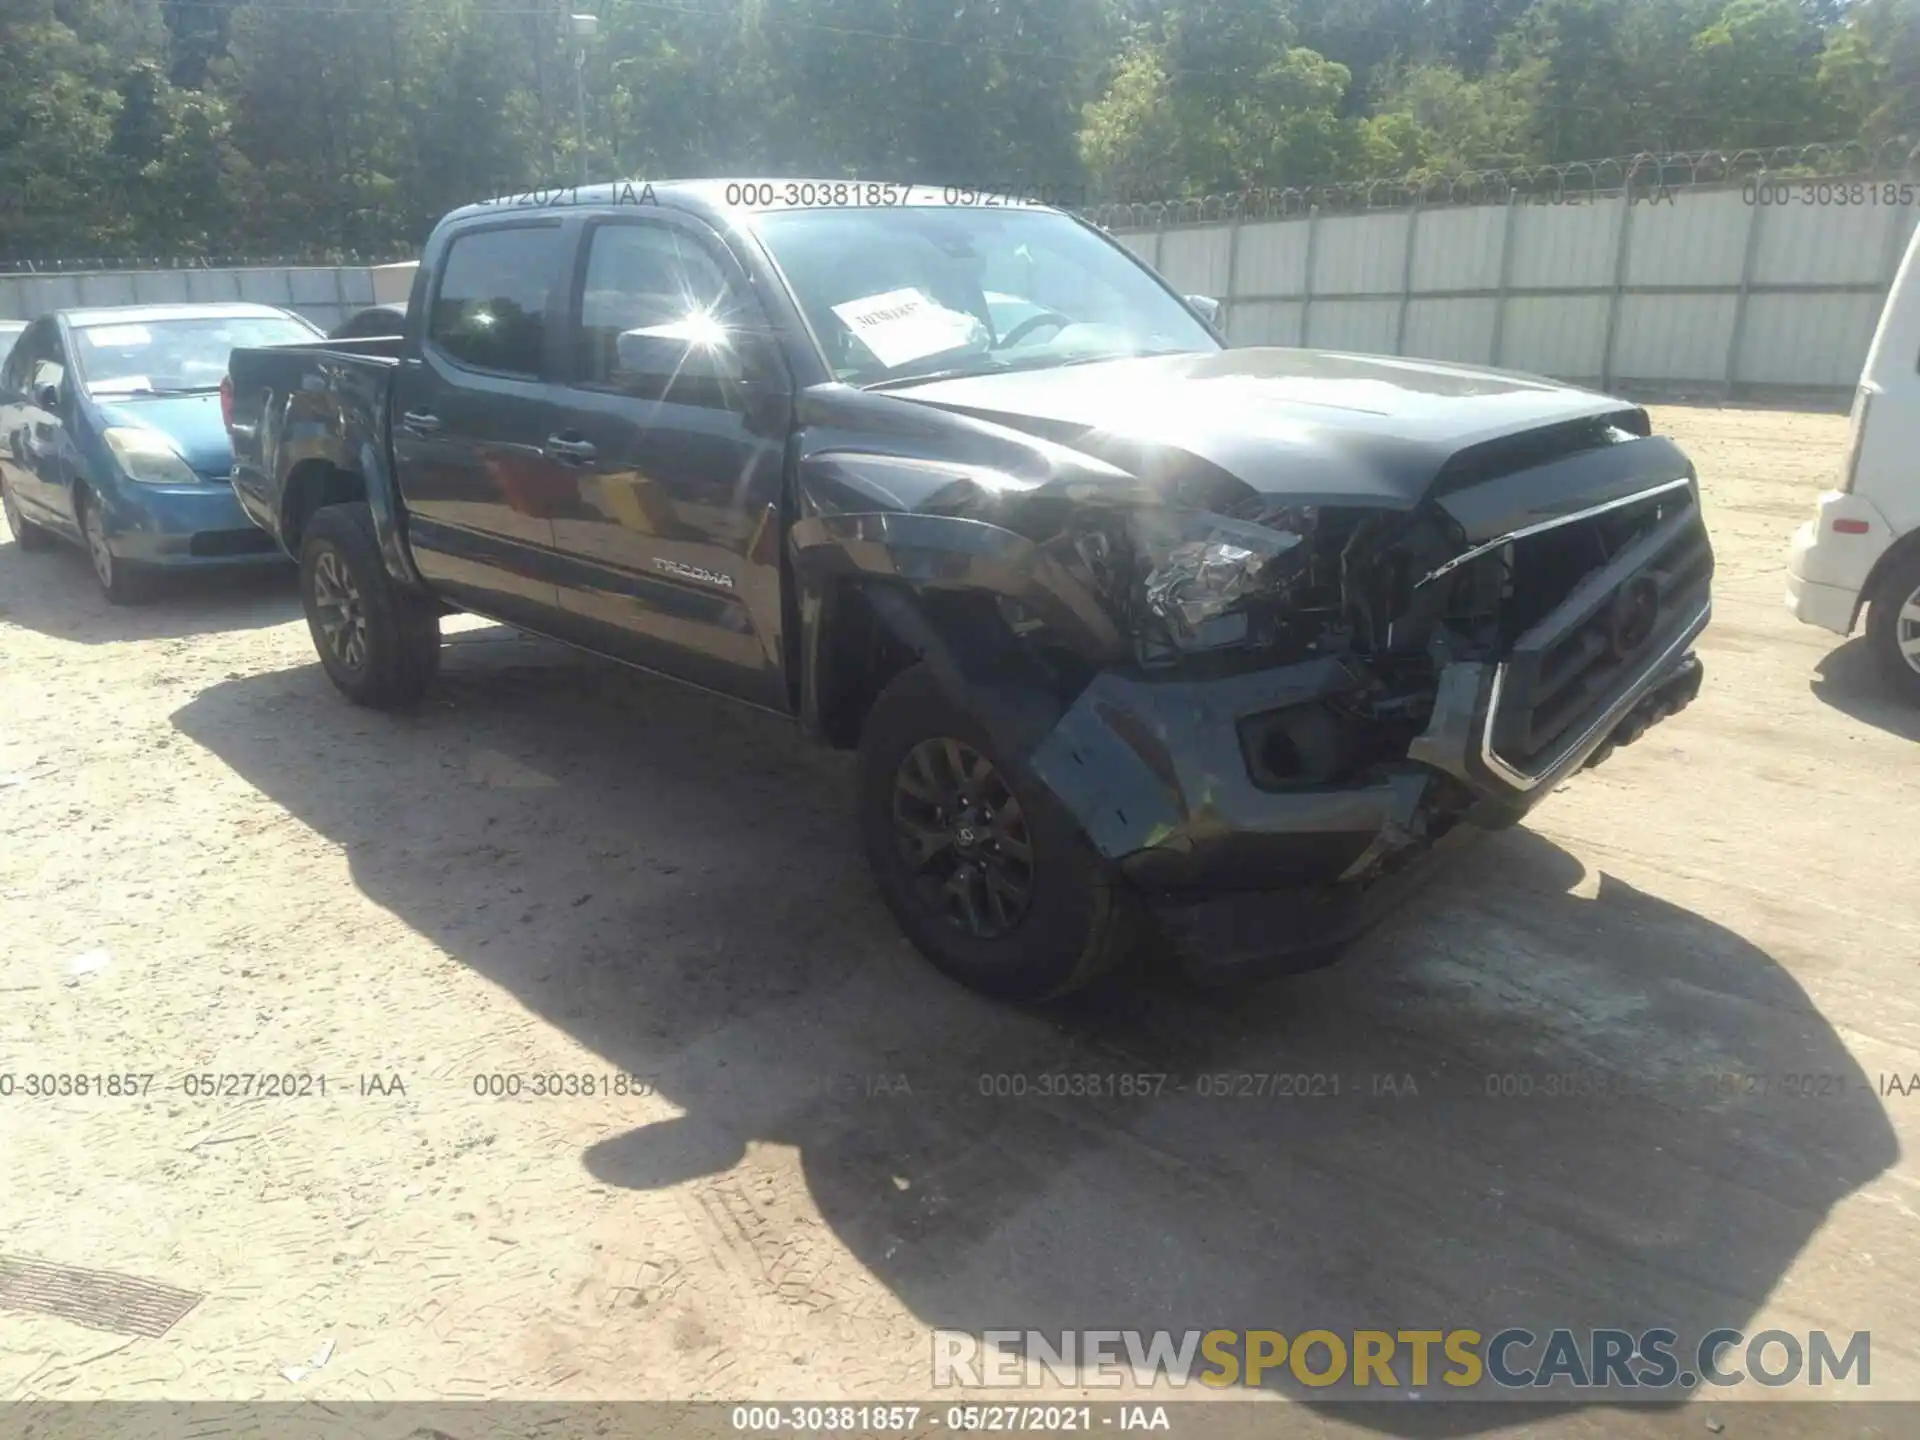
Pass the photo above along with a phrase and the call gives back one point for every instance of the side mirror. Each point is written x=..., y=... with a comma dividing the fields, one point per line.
x=695, y=352
x=1206, y=307
x=47, y=397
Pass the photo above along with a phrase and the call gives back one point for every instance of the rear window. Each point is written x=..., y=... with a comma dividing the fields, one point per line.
x=491, y=308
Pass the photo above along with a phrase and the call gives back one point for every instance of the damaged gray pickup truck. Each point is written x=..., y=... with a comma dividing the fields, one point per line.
x=1124, y=625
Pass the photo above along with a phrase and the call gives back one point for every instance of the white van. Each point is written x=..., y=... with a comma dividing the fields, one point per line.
x=1863, y=547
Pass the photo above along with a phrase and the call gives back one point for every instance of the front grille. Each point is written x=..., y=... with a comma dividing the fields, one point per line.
x=212, y=543
x=1590, y=605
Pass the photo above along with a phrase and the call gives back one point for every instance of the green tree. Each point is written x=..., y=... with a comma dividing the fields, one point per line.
x=1869, y=76
x=262, y=126
x=1220, y=99
x=1433, y=119
x=1755, y=72
x=1130, y=142
x=62, y=65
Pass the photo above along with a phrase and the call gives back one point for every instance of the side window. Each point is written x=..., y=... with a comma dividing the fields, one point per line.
x=491, y=307
x=49, y=362
x=655, y=312
x=48, y=372
x=19, y=372
x=40, y=360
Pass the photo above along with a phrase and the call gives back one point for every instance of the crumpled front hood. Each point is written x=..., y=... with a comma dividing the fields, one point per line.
x=191, y=422
x=1316, y=426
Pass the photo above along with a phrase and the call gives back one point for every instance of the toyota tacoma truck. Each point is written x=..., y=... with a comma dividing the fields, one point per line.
x=1123, y=624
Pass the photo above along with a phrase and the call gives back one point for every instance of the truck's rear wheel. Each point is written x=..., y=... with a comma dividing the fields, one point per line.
x=992, y=882
x=1893, y=626
x=380, y=644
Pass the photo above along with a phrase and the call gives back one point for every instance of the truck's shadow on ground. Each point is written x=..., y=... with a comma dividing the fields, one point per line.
x=673, y=881
x=1851, y=683
x=55, y=594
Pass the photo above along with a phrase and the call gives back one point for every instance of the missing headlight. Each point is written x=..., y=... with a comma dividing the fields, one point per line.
x=1206, y=568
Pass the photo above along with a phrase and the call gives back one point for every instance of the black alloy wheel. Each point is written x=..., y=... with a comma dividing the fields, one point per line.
x=379, y=642
x=990, y=878
x=339, y=612
x=964, y=835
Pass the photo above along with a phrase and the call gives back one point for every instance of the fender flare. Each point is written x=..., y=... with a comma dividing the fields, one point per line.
x=342, y=439
x=926, y=579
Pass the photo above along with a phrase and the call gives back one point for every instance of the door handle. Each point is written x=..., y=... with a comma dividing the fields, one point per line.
x=572, y=452
x=420, y=422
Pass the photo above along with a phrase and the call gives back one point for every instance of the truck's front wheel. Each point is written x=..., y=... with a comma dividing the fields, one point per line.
x=990, y=880
x=380, y=644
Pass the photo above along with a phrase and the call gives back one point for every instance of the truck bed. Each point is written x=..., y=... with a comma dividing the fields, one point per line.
x=294, y=406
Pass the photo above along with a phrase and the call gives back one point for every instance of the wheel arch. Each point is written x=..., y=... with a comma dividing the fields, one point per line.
x=319, y=480
x=86, y=495
x=310, y=484
x=1903, y=551
x=1004, y=632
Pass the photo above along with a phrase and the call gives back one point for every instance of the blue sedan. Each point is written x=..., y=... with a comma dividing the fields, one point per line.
x=111, y=437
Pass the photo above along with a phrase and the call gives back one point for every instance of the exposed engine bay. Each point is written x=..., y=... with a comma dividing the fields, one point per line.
x=1395, y=596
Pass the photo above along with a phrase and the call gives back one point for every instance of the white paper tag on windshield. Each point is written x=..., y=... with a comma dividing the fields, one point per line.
x=115, y=336
x=904, y=325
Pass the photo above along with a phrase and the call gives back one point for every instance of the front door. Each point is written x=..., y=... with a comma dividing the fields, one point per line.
x=674, y=418
x=39, y=454
x=472, y=407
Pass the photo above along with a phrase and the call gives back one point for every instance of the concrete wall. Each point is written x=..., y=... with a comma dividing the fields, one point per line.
x=1693, y=289
x=326, y=295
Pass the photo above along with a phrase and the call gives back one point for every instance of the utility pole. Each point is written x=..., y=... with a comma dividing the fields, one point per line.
x=583, y=27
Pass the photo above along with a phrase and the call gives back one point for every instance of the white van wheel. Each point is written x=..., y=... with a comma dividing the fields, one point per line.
x=1893, y=627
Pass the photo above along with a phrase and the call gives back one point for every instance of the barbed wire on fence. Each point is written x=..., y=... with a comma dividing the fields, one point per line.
x=24, y=269
x=1568, y=182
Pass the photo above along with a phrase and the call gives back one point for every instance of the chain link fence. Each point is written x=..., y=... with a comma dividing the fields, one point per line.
x=102, y=264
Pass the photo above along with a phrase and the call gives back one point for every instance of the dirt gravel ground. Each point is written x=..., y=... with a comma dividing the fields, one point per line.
x=561, y=868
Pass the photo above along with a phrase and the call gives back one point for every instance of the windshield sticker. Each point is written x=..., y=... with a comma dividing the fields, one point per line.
x=120, y=383
x=112, y=337
x=904, y=325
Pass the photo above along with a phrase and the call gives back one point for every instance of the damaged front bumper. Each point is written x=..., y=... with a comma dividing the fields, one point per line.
x=1246, y=876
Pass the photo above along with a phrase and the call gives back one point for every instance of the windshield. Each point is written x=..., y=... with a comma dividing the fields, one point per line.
x=899, y=294
x=173, y=357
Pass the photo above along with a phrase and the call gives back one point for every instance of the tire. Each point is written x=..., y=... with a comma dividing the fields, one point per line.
x=380, y=644
x=27, y=535
x=121, y=581
x=1893, y=622
x=1073, y=924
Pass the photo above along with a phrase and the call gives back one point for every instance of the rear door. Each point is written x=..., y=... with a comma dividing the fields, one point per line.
x=472, y=406
x=669, y=536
